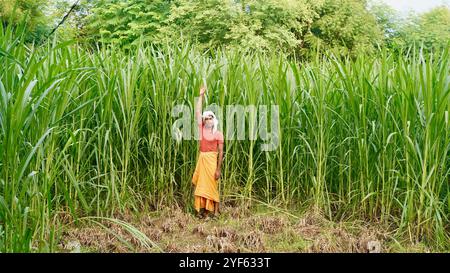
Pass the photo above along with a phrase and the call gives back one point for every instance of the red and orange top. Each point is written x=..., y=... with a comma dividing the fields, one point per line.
x=209, y=141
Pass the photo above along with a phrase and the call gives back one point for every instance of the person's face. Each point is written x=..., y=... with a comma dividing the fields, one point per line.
x=208, y=121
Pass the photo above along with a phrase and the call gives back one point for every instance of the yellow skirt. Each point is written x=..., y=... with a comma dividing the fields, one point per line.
x=206, y=193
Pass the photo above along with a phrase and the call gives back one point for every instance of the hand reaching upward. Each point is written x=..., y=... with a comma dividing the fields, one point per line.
x=202, y=90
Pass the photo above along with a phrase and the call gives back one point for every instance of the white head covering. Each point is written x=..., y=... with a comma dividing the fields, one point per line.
x=216, y=122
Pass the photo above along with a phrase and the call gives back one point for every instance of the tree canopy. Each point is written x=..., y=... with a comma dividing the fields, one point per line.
x=291, y=26
x=29, y=12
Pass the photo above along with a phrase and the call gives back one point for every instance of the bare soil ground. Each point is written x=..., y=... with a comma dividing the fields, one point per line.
x=237, y=229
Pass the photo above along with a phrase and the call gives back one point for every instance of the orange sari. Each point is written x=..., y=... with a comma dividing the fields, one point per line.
x=206, y=192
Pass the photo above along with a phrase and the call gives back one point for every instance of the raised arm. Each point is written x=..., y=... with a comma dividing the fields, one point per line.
x=198, y=108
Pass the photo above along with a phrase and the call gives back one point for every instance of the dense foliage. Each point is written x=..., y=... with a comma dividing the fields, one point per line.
x=29, y=12
x=86, y=129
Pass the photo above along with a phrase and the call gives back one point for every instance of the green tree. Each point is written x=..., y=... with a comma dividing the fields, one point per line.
x=259, y=25
x=124, y=22
x=74, y=26
x=388, y=20
x=31, y=12
x=345, y=26
x=253, y=24
x=430, y=29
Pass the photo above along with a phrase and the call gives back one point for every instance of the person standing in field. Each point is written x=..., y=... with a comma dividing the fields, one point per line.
x=207, y=171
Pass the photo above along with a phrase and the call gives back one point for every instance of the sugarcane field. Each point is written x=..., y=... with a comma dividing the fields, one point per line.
x=224, y=126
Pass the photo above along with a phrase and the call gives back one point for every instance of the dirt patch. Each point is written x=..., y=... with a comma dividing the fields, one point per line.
x=174, y=230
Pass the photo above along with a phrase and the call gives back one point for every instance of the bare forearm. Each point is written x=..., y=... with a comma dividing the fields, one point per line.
x=199, y=104
x=198, y=108
x=219, y=163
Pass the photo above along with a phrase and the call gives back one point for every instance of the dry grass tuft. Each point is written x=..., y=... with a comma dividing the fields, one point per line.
x=225, y=232
x=254, y=241
x=221, y=244
x=201, y=230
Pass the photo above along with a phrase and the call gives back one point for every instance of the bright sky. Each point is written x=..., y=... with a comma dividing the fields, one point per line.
x=403, y=6
x=418, y=6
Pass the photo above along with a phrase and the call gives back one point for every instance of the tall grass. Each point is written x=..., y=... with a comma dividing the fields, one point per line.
x=90, y=133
